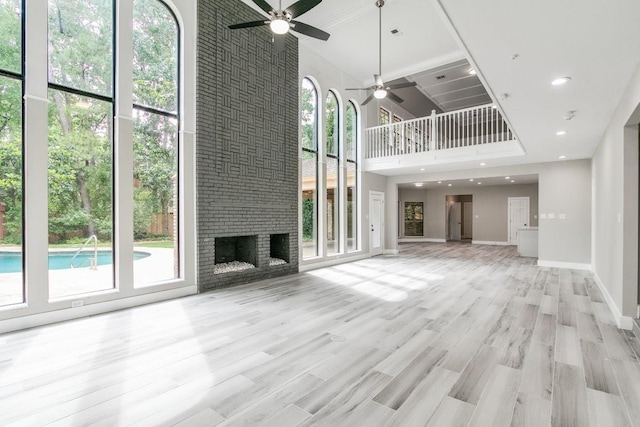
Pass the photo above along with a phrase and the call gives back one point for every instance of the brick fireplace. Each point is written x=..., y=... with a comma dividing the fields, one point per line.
x=247, y=146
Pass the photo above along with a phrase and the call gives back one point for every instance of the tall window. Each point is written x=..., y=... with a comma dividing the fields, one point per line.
x=332, y=132
x=384, y=116
x=11, y=160
x=155, y=141
x=351, y=152
x=309, y=128
x=80, y=146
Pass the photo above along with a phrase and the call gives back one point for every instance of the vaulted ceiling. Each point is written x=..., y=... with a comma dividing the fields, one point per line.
x=517, y=48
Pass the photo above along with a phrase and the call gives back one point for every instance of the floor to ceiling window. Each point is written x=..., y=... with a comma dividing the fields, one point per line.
x=104, y=169
x=351, y=155
x=329, y=226
x=309, y=141
x=80, y=146
x=11, y=159
x=155, y=140
x=332, y=182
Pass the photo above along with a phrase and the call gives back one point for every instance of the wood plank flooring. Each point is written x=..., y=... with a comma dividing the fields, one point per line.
x=440, y=335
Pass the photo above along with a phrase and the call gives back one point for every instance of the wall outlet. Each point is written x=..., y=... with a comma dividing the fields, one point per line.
x=76, y=304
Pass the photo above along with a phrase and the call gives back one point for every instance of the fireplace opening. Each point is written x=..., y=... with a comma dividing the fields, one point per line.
x=279, y=249
x=235, y=253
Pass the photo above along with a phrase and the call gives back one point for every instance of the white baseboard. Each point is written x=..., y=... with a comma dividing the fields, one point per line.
x=312, y=265
x=623, y=322
x=391, y=251
x=488, y=242
x=33, y=320
x=420, y=240
x=568, y=265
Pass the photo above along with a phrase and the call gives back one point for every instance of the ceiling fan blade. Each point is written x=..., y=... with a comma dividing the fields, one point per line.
x=366, y=101
x=378, y=79
x=308, y=30
x=248, y=24
x=262, y=4
x=358, y=88
x=302, y=6
x=401, y=85
x=278, y=42
x=394, y=97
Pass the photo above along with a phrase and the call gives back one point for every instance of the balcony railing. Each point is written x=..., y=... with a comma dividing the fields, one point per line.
x=463, y=128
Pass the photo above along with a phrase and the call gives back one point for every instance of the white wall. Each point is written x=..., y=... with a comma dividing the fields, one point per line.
x=563, y=187
x=490, y=208
x=615, y=207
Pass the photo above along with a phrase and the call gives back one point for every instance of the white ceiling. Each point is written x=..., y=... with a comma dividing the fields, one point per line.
x=595, y=42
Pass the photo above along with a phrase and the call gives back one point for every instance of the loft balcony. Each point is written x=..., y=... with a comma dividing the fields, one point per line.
x=458, y=136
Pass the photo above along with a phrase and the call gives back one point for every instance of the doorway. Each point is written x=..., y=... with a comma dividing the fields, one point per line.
x=518, y=217
x=459, y=224
x=376, y=221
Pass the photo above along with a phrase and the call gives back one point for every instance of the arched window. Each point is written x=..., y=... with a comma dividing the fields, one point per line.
x=332, y=134
x=81, y=100
x=81, y=137
x=351, y=153
x=309, y=141
x=11, y=158
x=155, y=134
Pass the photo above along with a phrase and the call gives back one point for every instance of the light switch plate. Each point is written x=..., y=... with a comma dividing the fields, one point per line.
x=551, y=216
x=543, y=216
x=562, y=216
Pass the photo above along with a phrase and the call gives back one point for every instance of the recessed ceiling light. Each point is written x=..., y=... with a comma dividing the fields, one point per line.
x=513, y=180
x=479, y=183
x=561, y=132
x=471, y=179
x=439, y=182
x=449, y=185
x=560, y=81
x=418, y=184
x=421, y=169
x=562, y=157
x=472, y=71
x=483, y=164
x=494, y=106
x=507, y=177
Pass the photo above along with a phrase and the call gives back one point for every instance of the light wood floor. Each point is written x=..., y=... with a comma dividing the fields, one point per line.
x=443, y=334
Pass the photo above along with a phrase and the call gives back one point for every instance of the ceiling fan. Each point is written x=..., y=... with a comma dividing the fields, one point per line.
x=282, y=20
x=380, y=90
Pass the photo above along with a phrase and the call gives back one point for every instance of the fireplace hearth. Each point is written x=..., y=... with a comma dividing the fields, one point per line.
x=236, y=253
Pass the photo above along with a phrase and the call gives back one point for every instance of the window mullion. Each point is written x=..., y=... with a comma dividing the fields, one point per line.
x=123, y=148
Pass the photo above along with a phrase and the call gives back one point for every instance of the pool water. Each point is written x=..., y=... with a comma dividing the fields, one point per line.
x=11, y=262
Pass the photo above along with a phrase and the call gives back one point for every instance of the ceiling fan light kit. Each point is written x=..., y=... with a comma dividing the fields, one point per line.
x=282, y=20
x=381, y=90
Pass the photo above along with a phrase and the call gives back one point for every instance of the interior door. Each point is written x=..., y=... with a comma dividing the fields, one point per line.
x=518, y=217
x=468, y=220
x=376, y=220
x=455, y=221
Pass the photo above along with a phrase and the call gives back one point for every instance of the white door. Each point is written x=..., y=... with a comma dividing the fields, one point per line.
x=376, y=220
x=518, y=217
x=455, y=221
x=468, y=220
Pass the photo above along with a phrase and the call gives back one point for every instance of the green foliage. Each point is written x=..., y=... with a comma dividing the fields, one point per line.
x=80, y=128
x=142, y=212
x=331, y=123
x=308, y=113
x=10, y=47
x=308, y=219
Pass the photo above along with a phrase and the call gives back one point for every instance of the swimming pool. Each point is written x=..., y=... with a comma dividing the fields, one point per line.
x=11, y=262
